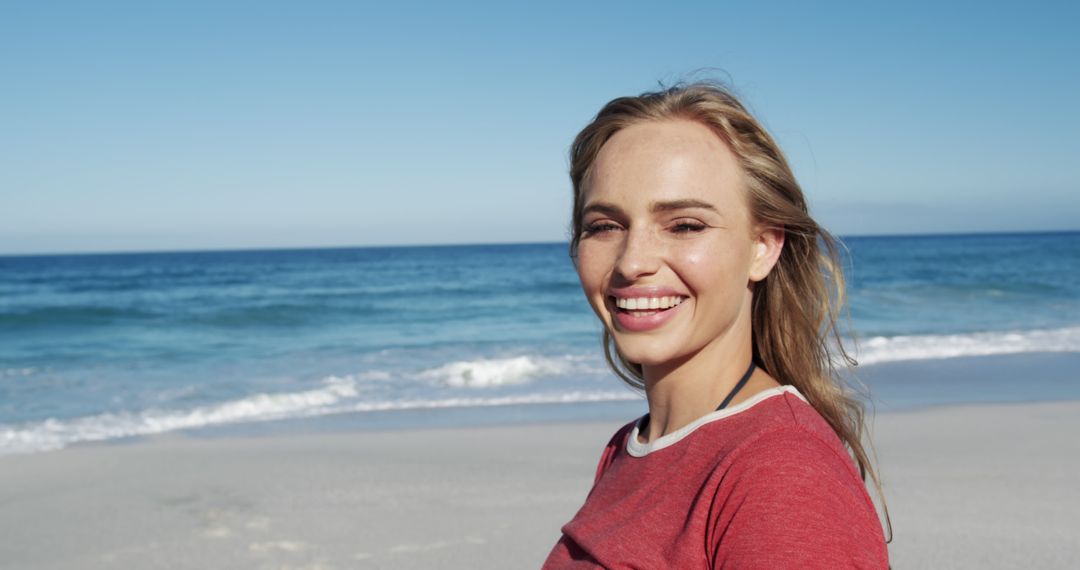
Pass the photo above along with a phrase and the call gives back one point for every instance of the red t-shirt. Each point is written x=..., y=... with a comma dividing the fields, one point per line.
x=763, y=484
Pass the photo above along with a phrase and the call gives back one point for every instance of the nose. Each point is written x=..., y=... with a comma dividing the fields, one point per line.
x=639, y=256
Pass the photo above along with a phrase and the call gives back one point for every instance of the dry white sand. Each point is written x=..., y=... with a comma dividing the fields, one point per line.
x=968, y=487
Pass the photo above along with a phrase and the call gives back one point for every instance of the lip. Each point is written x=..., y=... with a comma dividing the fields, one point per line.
x=630, y=323
x=631, y=292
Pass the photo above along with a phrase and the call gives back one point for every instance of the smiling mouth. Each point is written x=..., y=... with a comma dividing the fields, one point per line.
x=645, y=306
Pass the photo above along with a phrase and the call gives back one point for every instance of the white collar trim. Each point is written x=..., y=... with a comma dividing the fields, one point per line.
x=638, y=449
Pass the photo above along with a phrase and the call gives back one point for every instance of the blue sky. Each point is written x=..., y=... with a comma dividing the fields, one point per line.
x=152, y=126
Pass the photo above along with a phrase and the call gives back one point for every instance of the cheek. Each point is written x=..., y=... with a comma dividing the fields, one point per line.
x=590, y=271
x=700, y=264
x=712, y=266
x=593, y=286
x=594, y=257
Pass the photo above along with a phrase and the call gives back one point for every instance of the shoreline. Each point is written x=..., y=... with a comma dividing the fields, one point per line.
x=986, y=484
x=895, y=387
x=967, y=486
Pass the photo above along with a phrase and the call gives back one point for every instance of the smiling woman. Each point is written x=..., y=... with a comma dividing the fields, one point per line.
x=671, y=196
x=694, y=247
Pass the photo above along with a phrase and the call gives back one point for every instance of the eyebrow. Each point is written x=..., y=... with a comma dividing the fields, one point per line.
x=655, y=207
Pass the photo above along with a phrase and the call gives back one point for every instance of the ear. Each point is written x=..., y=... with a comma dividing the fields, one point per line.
x=767, y=247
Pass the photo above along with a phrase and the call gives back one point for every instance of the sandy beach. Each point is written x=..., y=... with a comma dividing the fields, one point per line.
x=968, y=486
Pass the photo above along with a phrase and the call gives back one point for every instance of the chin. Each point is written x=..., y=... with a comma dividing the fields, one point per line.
x=644, y=353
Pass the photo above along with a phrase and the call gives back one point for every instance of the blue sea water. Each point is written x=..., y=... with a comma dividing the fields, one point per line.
x=102, y=346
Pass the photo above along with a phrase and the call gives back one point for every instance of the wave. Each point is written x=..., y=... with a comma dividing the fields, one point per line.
x=56, y=434
x=473, y=382
x=880, y=349
x=484, y=373
x=336, y=396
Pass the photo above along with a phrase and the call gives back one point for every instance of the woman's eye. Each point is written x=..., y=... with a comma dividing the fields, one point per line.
x=688, y=227
x=600, y=227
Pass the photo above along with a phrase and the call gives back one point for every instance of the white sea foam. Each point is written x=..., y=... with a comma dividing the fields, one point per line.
x=55, y=434
x=337, y=395
x=485, y=373
x=923, y=347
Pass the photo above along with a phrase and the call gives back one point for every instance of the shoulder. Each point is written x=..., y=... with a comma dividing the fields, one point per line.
x=791, y=496
x=793, y=434
x=793, y=449
x=790, y=457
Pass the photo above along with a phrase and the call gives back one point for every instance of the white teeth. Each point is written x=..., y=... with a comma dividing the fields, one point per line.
x=647, y=303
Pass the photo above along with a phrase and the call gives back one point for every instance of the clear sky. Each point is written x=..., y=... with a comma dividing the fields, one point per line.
x=186, y=125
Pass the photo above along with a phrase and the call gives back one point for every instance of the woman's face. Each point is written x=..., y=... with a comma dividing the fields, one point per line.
x=668, y=250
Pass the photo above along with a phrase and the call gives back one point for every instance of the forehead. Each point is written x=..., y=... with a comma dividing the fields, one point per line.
x=666, y=160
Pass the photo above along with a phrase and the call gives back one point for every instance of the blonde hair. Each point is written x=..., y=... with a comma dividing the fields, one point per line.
x=796, y=308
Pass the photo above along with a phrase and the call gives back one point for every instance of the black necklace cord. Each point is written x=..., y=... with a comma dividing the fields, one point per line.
x=742, y=382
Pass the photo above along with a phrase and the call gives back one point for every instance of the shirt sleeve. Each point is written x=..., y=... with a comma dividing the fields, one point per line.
x=790, y=500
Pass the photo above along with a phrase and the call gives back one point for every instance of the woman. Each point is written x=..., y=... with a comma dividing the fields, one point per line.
x=719, y=297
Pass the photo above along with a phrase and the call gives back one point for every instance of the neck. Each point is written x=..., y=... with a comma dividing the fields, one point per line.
x=684, y=390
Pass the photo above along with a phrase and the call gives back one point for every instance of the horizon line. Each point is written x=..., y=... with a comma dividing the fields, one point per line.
x=480, y=244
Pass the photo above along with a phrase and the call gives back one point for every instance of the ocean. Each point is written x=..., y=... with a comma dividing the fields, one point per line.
x=97, y=347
